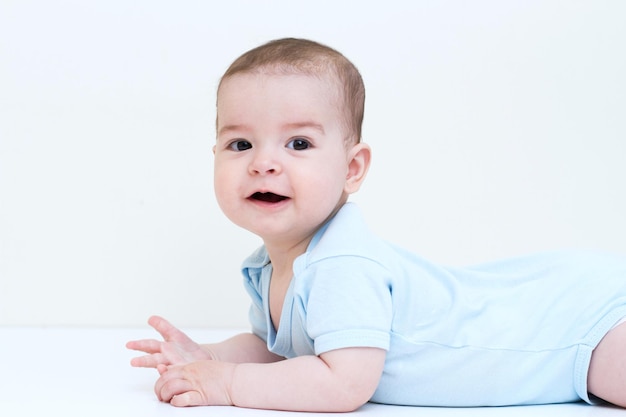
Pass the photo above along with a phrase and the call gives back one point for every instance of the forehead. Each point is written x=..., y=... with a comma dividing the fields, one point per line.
x=257, y=95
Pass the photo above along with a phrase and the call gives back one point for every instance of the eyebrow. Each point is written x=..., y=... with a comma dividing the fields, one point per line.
x=300, y=125
x=229, y=128
x=288, y=126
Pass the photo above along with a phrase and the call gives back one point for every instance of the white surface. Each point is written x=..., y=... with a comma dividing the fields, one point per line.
x=497, y=129
x=85, y=372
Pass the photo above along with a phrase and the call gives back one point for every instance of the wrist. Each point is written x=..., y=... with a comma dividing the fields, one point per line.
x=209, y=353
x=229, y=384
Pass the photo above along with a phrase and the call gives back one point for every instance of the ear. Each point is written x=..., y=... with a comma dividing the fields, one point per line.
x=214, y=149
x=358, y=164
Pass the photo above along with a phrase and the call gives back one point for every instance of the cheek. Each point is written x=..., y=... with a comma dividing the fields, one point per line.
x=328, y=183
x=222, y=183
x=336, y=173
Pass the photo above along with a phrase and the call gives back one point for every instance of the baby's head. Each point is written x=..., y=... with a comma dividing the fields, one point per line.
x=301, y=56
x=288, y=151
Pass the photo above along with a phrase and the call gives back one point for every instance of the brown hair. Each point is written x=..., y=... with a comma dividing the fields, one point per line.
x=291, y=55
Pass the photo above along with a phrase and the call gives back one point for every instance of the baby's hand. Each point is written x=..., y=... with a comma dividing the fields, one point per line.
x=175, y=349
x=197, y=383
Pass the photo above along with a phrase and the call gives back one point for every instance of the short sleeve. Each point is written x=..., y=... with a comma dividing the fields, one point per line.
x=346, y=302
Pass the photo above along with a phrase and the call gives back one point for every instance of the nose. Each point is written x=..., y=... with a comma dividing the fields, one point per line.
x=264, y=163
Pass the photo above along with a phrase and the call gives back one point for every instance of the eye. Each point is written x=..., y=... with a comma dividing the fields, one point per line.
x=299, y=144
x=239, y=145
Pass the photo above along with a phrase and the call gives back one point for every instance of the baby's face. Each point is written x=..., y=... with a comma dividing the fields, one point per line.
x=280, y=158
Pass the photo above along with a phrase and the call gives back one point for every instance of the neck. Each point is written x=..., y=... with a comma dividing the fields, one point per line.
x=283, y=252
x=282, y=256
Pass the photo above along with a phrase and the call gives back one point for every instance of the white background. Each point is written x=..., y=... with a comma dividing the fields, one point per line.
x=498, y=129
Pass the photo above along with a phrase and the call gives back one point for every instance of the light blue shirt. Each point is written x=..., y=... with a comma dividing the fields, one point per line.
x=519, y=331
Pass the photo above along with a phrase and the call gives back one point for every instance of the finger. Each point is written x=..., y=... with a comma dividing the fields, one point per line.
x=148, y=361
x=163, y=379
x=167, y=330
x=159, y=324
x=168, y=386
x=146, y=345
x=187, y=399
x=161, y=368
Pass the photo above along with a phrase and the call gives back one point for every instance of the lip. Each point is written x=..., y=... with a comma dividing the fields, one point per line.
x=267, y=199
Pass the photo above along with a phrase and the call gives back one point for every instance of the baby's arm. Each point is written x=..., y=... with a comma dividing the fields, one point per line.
x=336, y=381
x=608, y=366
x=177, y=348
x=242, y=348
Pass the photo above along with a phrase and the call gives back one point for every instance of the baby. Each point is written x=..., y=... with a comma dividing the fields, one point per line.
x=340, y=317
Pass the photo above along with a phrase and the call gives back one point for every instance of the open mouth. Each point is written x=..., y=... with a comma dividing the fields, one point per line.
x=268, y=197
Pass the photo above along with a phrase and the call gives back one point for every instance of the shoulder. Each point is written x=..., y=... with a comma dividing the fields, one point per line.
x=345, y=258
